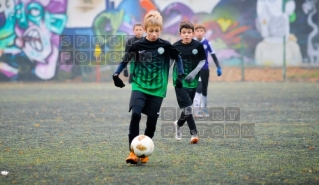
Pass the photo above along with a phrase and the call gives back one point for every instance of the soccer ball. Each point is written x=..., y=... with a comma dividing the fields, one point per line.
x=142, y=146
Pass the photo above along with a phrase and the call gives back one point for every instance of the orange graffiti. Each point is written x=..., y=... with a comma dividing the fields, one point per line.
x=147, y=5
x=230, y=34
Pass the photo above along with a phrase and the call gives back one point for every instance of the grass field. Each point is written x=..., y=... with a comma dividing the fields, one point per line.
x=74, y=133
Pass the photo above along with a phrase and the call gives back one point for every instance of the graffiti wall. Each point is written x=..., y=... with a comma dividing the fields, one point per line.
x=31, y=31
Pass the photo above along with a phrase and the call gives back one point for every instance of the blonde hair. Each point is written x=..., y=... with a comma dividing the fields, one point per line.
x=153, y=18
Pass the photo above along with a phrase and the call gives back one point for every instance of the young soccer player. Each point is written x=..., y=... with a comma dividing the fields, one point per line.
x=193, y=56
x=138, y=34
x=150, y=62
x=200, y=100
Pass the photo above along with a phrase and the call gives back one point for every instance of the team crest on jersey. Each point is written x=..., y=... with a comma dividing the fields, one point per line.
x=205, y=46
x=195, y=51
x=160, y=50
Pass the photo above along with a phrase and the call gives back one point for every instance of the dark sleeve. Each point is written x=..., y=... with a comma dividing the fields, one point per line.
x=215, y=60
x=128, y=55
x=120, y=67
x=175, y=54
x=179, y=65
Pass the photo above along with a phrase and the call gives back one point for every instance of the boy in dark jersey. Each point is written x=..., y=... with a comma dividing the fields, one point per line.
x=193, y=56
x=150, y=62
x=200, y=100
x=138, y=34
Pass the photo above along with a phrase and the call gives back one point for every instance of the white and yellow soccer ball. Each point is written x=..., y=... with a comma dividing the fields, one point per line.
x=142, y=146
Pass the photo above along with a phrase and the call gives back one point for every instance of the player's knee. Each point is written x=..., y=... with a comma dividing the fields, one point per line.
x=136, y=116
x=188, y=110
x=136, y=112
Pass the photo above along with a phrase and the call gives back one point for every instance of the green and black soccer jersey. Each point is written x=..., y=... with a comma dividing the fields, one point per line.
x=150, y=62
x=192, y=54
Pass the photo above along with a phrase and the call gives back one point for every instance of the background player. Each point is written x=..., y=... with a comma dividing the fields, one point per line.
x=138, y=34
x=193, y=56
x=200, y=100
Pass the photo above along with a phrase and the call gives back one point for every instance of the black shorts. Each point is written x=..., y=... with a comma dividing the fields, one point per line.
x=185, y=96
x=151, y=105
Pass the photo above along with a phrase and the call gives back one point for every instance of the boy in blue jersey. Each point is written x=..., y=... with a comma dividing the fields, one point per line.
x=200, y=100
x=193, y=56
x=150, y=62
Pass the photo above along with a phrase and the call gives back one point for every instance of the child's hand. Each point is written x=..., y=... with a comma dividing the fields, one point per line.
x=219, y=71
x=179, y=81
x=117, y=81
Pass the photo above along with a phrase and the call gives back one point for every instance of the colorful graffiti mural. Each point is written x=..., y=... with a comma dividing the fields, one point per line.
x=30, y=31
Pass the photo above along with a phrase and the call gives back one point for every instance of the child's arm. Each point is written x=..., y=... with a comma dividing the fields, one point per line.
x=126, y=58
x=179, y=65
x=120, y=67
x=212, y=53
x=117, y=81
x=190, y=77
x=180, y=72
x=219, y=69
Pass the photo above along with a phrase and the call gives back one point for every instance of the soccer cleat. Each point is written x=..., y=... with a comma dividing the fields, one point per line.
x=198, y=114
x=178, y=132
x=205, y=113
x=144, y=160
x=194, y=139
x=132, y=158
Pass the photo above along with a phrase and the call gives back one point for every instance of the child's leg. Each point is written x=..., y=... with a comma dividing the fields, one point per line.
x=150, y=126
x=185, y=102
x=198, y=95
x=190, y=120
x=149, y=131
x=151, y=109
x=205, y=79
x=133, y=132
x=191, y=124
x=180, y=122
x=134, y=124
x=185, y=98
x=136, y=103
x=184, y=115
